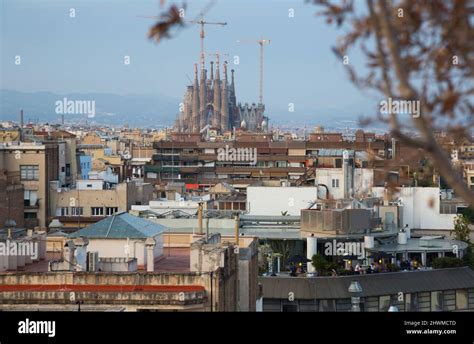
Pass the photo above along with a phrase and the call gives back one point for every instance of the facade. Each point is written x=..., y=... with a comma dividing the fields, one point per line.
x=11, y=201
x=199, y=274
x=421, y=207
x=278, y=201
x=418, y=291
x=75, y=208
x=124, y=236
x=35, y=164
x=189, y=159
x=212, y=102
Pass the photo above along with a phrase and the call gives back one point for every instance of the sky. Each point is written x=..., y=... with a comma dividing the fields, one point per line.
x=86, y=54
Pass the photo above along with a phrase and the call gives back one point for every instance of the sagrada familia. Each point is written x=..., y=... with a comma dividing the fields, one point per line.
x=212, y=102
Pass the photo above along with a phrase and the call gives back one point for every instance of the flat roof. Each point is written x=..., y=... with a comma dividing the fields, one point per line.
x=389, y=283
x=421, y=245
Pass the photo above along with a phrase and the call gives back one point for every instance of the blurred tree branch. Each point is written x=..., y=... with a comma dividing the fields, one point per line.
x=421, y=50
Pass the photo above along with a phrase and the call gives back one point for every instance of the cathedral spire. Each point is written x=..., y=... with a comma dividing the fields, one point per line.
x=224, y=103
x=202, y=99
x=195, y=108
x=217, y=96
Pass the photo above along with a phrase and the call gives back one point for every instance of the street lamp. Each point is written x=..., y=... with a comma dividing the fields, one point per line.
x=356, y=291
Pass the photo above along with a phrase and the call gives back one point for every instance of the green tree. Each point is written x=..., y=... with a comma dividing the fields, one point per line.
x=320, y=264
x=447, y=262
x=461, y=228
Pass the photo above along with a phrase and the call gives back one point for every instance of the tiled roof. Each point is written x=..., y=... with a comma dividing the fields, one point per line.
x=120, y=226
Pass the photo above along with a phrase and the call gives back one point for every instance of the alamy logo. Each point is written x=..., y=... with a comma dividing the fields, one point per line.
x=21, y=248
x=347, y=248
x=237, y=154
x=75, y=107
x=37, y=327
x=398, y=107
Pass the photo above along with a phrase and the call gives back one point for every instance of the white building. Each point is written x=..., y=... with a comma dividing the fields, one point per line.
x=124, y=236
x=420, y=207
x=278, y=200
x=334, y=179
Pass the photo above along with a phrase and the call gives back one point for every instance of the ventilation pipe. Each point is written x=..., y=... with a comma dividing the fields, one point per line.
x=311, y=250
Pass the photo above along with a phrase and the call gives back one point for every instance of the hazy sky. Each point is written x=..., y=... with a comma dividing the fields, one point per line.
x=86, y=53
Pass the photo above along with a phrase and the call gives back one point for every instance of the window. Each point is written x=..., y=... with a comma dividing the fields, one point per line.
x=64, y=211
x=30, y=198
x=68, y=170
x=289, y=308
x=436, y=301
x=97, y=211
x=335, y=183
x=461, y=299
x=411, y=302
x=110, y=211
x=327, y=306
x=29, y=172
x=77, y=211
x=384, y=303
x=29, y=215
x=151, y=175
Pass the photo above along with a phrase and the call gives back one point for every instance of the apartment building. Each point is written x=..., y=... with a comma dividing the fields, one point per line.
x=34, y=164
x=94, y=199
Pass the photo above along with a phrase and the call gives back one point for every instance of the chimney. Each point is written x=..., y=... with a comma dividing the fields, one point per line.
x=236, y=229
x=81, y=253
x=311, y=250
x=150, y=244
x=385, y=195
x=200, y=218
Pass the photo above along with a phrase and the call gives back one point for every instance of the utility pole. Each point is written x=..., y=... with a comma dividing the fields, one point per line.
x=262, y=41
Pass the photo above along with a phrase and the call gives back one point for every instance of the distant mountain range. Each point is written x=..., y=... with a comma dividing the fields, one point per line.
x=151, y=111
x=135, y=110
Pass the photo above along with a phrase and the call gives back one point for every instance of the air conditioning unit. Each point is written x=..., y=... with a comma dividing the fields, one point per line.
x=93, y=261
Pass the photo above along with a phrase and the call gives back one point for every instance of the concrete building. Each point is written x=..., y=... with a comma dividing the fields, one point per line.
x=12, y=201
x=85, y=165
x=469, y=174
x=67, y=161
x=124, y=236
x=196, y=273
x=277, y=201
x=92, y=200
x=417, y=291
x=420, y=207
x=36, y=164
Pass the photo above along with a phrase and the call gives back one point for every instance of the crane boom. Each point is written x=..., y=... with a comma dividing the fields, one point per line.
x=261, y=42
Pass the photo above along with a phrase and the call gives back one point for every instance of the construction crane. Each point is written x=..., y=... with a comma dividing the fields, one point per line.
x=201, y=22
x=262, y=41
